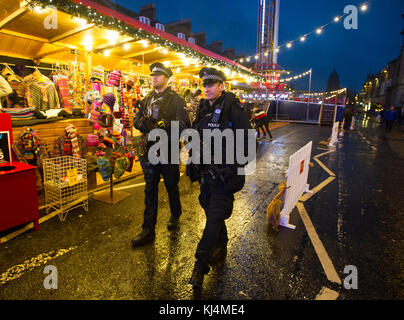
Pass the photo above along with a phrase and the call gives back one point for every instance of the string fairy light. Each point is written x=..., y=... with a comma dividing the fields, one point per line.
x=296, y=77
x=289, y=44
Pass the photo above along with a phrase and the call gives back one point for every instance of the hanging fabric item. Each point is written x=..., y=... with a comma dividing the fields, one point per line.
x=40, y=92
x=70, y=144
x=78, y=83
x=62, y=85
x=72, y=136
x=29, y=149
x=96, y=102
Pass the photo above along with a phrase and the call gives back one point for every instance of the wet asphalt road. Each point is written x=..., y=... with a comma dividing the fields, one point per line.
x=357, y=217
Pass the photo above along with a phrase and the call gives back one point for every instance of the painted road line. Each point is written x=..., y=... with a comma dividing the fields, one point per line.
x=20, y=269
x=324, y=167
x=138, y=184
x=323, y=154
x=132, y=186
x=325, y=260
x=316, y=189
x=327, y=294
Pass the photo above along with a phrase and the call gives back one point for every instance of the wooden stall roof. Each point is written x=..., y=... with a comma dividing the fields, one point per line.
x=23, y=34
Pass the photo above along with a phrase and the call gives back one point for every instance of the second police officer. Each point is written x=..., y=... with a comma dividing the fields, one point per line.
x=161, y=106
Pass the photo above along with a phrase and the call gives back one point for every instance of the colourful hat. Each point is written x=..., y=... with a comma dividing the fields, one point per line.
x=114, y=78
x=121, y=165
x=109, y=99
x=98, y=73
x=104, y=168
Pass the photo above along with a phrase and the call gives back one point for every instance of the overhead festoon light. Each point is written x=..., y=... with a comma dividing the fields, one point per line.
x=88, y=43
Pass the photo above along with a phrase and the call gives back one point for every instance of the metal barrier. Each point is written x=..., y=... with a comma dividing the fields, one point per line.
x=352, y=123
x=341, y=131
x=334, y=134
x=296, y=183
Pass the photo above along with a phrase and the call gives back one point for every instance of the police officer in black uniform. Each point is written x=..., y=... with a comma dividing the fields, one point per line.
x=218, y=183
x=161, y=106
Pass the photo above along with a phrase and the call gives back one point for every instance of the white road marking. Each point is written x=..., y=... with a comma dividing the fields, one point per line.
x=18, y=270
x=327, y=294
x=322, y=254
x=138, y=184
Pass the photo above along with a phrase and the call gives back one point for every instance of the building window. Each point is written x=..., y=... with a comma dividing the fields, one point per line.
x=160, y=26
x=192, y=40
x=181, y=35
x=144, y=20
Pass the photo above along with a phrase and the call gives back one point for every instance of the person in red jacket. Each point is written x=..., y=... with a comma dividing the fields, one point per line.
x=261, y=121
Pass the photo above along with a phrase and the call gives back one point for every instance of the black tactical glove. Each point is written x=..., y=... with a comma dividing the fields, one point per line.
x=146, y=124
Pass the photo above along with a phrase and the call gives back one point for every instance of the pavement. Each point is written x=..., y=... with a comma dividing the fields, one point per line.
x=357, y=218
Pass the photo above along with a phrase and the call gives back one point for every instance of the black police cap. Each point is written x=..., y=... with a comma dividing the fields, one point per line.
x=159, y=68
x=211, y=75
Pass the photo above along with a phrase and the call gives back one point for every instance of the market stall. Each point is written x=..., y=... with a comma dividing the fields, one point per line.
x=77, y=70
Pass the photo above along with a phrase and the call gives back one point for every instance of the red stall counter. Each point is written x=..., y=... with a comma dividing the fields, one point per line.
x=18, y=195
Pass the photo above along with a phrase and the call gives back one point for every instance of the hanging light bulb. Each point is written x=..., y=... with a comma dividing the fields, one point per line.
x=336, y=19
x=113, y=36
x=319, y=30
x=88, y=43
x=303, y=38
x=289, y=45
x=364, y=7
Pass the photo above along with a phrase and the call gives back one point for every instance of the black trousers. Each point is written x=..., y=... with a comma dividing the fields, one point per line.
x=217, y=202
x=152, y=175
x=263, y=124
x=389, y=125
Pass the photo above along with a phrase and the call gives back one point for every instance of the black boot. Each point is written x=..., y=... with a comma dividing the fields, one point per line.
x=197, y=278
x=144, y=237
x=173, y=223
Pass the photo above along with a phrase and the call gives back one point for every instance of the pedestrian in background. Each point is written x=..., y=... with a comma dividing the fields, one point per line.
x=390, y=116
x=401, y=116
x=261, y=120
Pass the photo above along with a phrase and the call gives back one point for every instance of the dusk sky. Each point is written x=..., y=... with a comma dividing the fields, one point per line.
x=354, y=53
